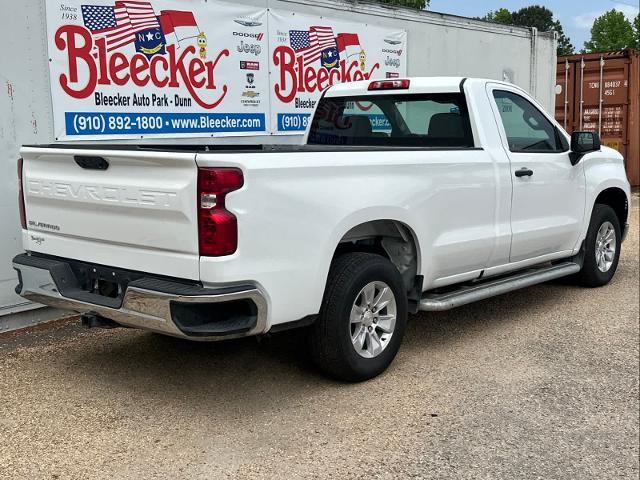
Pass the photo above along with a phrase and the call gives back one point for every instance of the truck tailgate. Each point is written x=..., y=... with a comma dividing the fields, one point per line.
x=136, y=211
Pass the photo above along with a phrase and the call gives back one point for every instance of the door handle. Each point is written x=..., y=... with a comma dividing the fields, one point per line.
x=524, y=172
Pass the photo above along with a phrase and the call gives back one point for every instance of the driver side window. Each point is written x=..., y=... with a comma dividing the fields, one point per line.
x=527, y=129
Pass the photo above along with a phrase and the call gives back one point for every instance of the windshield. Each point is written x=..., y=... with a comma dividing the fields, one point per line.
x=414, y=120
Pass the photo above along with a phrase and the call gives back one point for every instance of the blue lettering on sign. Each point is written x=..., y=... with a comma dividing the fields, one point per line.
x=92, y=123
x=288, y=122
x=379, y=122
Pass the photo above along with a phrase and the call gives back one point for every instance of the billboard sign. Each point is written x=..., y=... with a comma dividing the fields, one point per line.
x=186, y=68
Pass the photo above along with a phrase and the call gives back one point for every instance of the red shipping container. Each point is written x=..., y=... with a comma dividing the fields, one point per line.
x=600, y=92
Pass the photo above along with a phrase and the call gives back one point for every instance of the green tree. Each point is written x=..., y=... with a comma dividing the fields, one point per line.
x=636, y=32
x=533, y=16
x=610, y=31
x=501, y=15
x=418, y=4
x=565, y=47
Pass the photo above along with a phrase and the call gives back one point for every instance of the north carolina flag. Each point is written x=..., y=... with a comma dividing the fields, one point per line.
x=182, y=24
x=348, y=44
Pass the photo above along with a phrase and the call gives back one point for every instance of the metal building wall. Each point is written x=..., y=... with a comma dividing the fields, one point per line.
x=25, y=117
x=438, y=44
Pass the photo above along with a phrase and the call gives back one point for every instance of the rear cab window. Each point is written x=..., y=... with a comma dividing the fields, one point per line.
x=404, y=120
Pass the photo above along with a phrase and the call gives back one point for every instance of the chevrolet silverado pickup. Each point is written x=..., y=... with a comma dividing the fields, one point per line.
x=408, y=195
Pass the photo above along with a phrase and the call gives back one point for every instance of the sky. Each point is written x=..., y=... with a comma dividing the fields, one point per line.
x=576, y=16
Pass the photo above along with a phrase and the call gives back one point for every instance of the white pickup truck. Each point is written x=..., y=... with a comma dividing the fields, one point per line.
x=410, y=194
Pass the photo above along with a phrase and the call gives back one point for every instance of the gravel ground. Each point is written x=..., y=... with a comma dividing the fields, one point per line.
x=541, y=383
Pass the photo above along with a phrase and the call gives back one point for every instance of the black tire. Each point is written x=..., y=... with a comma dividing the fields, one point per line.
x=591, y=275
x=330, y=343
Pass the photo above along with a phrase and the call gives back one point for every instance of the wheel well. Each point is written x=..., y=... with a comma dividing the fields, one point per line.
x=616, y=199
x=392, y=239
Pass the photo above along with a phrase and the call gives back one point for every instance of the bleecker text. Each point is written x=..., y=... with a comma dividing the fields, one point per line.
x=174, y=71
x=295, y=77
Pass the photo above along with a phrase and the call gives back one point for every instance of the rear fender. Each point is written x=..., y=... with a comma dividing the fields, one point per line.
x=363, y=216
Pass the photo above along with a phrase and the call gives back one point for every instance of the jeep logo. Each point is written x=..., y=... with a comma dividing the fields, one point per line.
x=249, y=48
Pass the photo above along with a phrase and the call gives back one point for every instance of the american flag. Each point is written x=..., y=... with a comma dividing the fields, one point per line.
x=310, y=44
x=119, y=24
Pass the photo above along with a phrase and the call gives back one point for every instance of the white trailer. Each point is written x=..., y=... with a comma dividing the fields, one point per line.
x=436, y=44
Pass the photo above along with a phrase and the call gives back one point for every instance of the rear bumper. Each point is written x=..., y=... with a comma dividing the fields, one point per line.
x=151, y=303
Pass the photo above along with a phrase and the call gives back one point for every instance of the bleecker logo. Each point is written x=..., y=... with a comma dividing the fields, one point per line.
x=95, y=50
x=316, y=59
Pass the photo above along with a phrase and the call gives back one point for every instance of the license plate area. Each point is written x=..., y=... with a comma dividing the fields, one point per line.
x=103, y=281
x=97, y=284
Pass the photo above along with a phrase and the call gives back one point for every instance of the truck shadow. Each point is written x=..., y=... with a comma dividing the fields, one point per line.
x=273, y=372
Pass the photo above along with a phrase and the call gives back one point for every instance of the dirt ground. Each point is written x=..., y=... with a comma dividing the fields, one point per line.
x=541, y=383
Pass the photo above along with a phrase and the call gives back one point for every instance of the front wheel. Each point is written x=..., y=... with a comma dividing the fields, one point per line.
x=362, y=318
x=602, y=248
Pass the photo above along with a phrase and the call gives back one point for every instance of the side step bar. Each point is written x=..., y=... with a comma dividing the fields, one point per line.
x=434, y=302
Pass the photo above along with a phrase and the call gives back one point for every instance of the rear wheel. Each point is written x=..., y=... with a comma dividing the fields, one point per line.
x=602, y=248
x=362, y=318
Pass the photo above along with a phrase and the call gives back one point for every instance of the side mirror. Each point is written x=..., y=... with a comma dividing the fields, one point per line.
x=583, y=143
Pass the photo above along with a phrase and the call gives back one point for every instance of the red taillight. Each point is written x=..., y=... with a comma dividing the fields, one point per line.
x=23, y=216
x=217, y=227
x=389, y=84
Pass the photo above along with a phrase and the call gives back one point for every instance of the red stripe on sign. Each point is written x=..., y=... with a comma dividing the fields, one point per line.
x=165, y=24
x=346, y=39
x=180, y=19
